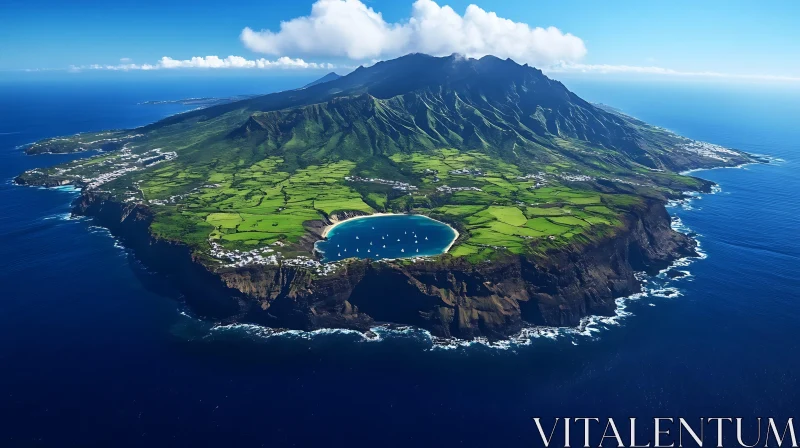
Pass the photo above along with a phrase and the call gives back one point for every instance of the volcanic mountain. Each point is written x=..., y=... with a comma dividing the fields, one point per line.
x=557, y=201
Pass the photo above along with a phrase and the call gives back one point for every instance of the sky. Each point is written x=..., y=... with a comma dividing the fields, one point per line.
x=709, y=39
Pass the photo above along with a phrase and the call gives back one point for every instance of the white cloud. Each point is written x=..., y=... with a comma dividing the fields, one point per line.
x=655, y=70
x=240, y=62
x=348, y=28
x=212, y=62
x=286, y=63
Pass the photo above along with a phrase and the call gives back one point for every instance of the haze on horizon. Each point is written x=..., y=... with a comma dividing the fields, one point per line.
x=715, y=40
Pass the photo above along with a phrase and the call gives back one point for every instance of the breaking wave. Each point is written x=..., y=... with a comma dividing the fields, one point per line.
x=656, y=287
x=590, y=327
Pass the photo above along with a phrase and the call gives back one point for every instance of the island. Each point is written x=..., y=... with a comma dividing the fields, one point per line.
x=556, y=203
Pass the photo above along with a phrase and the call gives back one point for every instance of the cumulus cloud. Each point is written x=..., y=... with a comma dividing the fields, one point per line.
x=212, y=62
x=655, y=70
x=349, y=28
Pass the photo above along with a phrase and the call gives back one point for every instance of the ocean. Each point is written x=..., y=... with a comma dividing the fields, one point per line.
x=98, y=351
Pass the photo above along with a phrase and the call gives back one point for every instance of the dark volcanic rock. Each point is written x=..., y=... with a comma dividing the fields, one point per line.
x=447, y=296
x=42, y=180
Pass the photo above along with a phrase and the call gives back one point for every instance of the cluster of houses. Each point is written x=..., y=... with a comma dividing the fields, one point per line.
x=126, y=162
x=434, y=173
x=467, y=172
x=309, y=263
x=122, y=163
x=628, y=182
x=395, y=184
x=112, y=140
x=447, y=189
x=540, y=179
x=94, y=142
x=576, y=177
x=94, y=182
x=237, y=258
x=267, y=256
x=709, y=150
x=170, y=200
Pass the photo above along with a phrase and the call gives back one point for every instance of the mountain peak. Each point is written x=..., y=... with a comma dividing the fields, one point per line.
x=419, y=71
x=332, y=76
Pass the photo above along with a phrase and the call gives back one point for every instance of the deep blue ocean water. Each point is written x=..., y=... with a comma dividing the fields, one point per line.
x=390, y=236
x=97, y=351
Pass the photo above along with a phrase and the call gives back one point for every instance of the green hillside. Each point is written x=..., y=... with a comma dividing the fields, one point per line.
x=514, y=160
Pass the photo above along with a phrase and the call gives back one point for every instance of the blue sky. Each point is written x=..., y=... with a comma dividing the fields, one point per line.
x=731, y=38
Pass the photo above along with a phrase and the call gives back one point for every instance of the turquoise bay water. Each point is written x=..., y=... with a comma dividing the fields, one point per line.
x=386, y=236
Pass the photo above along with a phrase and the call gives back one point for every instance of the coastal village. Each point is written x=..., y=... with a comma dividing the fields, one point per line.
x=272, y=256
x=126, y=160
x=267, y=256
x=121, y=163
x=395, y=184
x=709, y=150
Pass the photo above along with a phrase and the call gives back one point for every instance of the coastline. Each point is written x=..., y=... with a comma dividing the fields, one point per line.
x=355, y=313
x=588, y=325
x=758, y=159
x=330, y=227
x=211, y=292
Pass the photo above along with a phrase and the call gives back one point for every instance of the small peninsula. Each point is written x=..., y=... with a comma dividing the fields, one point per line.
x=547, y=205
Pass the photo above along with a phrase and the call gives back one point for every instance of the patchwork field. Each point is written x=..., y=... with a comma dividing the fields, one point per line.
x=255, y=206
x=501, y=152
x=495, y=205
x=238, y=204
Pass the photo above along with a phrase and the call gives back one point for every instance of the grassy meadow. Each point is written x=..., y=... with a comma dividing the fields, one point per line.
x=495, y=208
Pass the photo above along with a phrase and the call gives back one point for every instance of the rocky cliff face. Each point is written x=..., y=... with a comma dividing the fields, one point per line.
x=448, y=297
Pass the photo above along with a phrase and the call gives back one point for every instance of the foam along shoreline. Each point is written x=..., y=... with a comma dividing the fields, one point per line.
x=758, y=159
x=589, y=327
x=330, y=227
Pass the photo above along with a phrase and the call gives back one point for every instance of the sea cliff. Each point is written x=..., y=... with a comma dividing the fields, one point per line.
x=557, y=202
x=447, y=296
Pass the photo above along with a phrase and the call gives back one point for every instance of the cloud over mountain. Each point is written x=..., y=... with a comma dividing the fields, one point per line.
x=349, y=28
